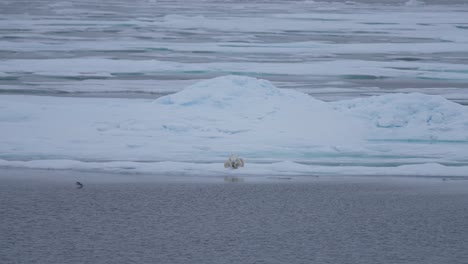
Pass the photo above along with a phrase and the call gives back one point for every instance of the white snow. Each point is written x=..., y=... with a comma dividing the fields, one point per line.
x=287, y=168
x=277, y=131
x=414, y=3
x=410, y=116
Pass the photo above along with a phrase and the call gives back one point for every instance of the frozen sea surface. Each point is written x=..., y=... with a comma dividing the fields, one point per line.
x=331, y=49
x=152, y=55
x=317, y=221
x=277, y=131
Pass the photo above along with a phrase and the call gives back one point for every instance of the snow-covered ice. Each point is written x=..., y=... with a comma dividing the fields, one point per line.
x=277, y=131
x=331, y=49
x=354, y=87
x=411, y=116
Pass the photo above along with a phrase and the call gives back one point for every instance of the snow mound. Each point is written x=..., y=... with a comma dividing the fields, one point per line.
x=410, y=116
x=414, y=3
x=258, y=110
x=222, y=92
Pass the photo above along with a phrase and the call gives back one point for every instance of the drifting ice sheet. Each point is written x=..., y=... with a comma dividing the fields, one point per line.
x=193, y=131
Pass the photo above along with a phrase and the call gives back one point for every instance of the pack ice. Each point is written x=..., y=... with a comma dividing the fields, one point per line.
x=278, y=131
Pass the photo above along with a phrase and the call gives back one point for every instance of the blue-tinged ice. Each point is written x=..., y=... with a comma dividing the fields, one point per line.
x=276, y=131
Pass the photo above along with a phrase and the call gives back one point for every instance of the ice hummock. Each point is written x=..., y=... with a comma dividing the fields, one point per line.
x=277, y=131
x=414, y=3
x=411, y=116
x=253, y=110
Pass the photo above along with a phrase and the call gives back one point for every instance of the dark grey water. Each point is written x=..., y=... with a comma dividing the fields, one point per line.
x=326, y=221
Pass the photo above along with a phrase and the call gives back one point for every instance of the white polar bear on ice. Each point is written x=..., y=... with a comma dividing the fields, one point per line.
x=234, y=162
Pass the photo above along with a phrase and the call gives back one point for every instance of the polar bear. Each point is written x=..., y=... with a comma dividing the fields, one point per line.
x=234, y=162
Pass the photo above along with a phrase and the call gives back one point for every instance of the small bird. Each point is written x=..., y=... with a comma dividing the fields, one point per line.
x=79, y=185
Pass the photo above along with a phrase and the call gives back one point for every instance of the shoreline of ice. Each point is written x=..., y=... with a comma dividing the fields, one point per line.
x=286, y=168
x=277, y=131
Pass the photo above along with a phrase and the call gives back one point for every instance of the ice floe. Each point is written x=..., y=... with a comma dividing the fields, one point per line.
x=277, y=131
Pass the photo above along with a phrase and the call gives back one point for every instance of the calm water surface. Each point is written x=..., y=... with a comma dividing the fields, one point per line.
x=315, y=221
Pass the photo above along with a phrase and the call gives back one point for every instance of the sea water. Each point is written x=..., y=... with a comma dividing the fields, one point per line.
x=319, y=220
